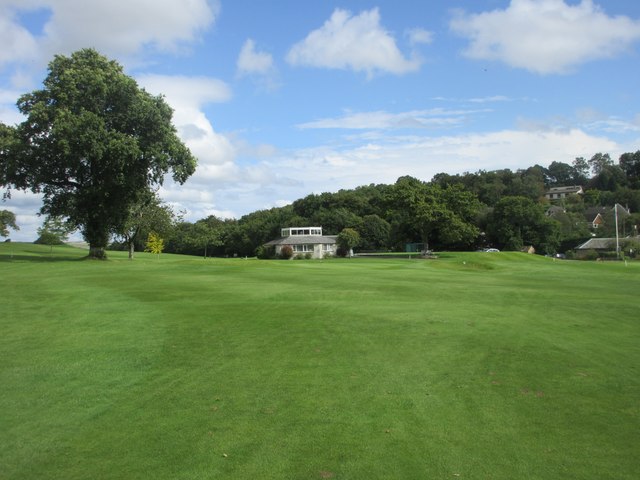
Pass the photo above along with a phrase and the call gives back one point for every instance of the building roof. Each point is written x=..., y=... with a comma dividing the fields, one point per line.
x=304, y=240
x=567, y=189
x=598, y=244
x=593, y=211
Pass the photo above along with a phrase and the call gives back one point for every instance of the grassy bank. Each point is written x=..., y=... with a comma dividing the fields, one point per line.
x=472, y=365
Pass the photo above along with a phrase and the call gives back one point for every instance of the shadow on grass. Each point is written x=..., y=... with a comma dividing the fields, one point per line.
x=37, y=256
x=34, y=259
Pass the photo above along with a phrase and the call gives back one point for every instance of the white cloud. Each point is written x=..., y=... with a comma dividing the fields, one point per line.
x=386, y=159
x=251, y=62
x=215, y=152
x=492, y=99
x=546, y=36
x=419, y=36
x=588, y=120
x=17, y=43
x=258, y=65
x=180, y=90
x=187, y=96
x=356, y=42
x=381, y=120
x=116, y=28
x=613, y=125
x=9, y=113
x=123, y=28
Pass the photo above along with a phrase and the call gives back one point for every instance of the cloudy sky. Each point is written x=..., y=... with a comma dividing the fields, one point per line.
x=285, y=98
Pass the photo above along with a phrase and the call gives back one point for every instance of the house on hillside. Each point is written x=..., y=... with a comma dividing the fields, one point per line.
x=305, y=240
x=557, y=193
x=594, y=216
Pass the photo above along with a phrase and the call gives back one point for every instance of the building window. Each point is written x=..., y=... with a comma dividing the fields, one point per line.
x=291, y=231
x=303, y=248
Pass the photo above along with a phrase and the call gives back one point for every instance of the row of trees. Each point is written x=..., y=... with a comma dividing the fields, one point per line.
x=446, y=212
x=501, y=208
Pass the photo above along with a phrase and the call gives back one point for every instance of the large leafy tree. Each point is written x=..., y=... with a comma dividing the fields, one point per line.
x=517, y=221
x=432, y=214
x=207, y=233
x=598, y=162
x=630, y=164
x=560, y=174
x=374, y=232
x=93, y=143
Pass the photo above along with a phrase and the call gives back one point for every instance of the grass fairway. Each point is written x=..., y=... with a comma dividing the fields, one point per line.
x=477, y=366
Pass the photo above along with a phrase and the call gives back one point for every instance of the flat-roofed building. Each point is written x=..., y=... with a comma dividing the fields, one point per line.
x=304, y=240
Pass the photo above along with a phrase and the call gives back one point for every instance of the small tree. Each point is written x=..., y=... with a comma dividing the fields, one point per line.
x=7, y=220
x=154, y=244
x=54, y=231
x=348, y=238
x=146, y=215
x=206, y=233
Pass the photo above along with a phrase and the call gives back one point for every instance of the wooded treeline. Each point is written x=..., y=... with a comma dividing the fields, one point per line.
x=502, y=209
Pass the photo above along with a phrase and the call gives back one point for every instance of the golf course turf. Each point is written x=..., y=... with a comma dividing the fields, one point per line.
x=471, y=365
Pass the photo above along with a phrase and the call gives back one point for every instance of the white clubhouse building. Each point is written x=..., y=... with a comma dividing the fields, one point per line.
x=305, y=240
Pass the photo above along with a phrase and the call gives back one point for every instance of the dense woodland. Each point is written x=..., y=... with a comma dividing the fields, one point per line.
x=502, y=209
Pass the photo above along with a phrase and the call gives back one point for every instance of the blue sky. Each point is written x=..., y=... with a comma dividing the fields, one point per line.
x=285, y=98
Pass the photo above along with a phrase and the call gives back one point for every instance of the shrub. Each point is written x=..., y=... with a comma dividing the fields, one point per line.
x=609, y=255
x=286, y=252
x=587, y=255
x=630, y=247
x=265, y=253
x=299, y=256
x=342, y=251
x=308, y=255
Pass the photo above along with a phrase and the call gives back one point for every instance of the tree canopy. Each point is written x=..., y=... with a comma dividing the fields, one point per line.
x=7, y=221
x=431, y=213
x=148, y=214
x=518, y=221
x=347, y=239
x=92, y=144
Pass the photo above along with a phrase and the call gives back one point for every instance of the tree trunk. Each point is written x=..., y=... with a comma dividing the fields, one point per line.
x=97, y=252
x=95, y=233
x=131, y=240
